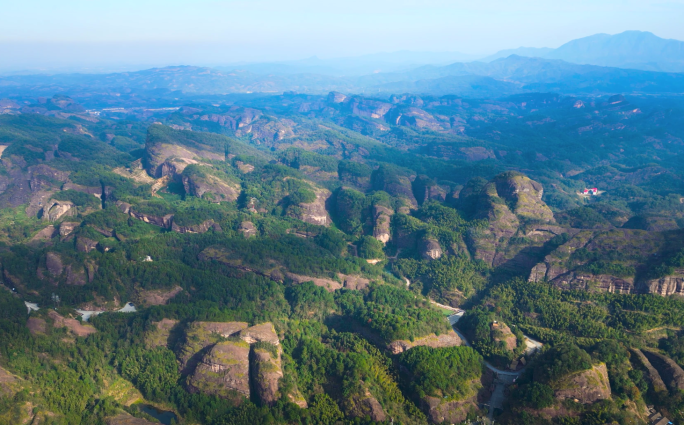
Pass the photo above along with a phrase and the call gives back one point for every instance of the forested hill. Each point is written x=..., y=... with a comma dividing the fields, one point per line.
x=284, y=254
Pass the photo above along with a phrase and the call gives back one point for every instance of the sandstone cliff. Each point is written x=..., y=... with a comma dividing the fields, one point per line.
x=225, y=368
x=588, y=386
x=671, y=373
x=199, y=336
x=449, y=339
x=652, y=374
x=267, y=373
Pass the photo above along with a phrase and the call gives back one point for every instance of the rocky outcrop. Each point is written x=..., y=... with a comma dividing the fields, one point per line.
x=394, y=182
x=216, y=189
x=53, y=264
x=9, y=384
x=225, y=368
x=588, y=386
x=425, y=189
x=525, y=194
x=86, y=245
x=164, y=221
x=54, y=210
x=451, y=412
x=170, y=159
x=502, y=333
x=671, y=373
x=382, y=217
x=591, y=282
x=449, y=339
x=345, y=281
x=67, y=227
x=158, y=296
x=430, y=249
x=667, y=285
x=201, y=335
x=197, y=228
x=75, y=275
x=45, y=234
x=507, y=202
x=363, y=405
x=264, y=332
x=248, y=229
x=315, y=212
x=159, y=334
x=267, y=374
x=652, y=374
x=73, y=325
x=91, y=190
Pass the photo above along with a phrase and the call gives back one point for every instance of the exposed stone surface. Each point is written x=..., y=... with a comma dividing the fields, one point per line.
x=36, y=325
x=75, y=275
x=171, y=159
x=158, y=296
x=382, y=217
x=53, y=263
x=223, y=369
x=449, y=339
x=200, y=335
x=668, y=285
x=73, y=325
x=652, y=375
x=315, y=212
x=86, y=245
x=362, y=405
x=67, y=227
x=328, y=284
x=45, y=234
x=588, y=386
x=501, y=332
x=219, y=190
x=164, y=221
x=197, y=228
x=160, y=333
x=267, y=373
x=248, y=229
x=395, y=184
x=91, y=190
x=264, y=332
x=505, y=202
x=671, y=373
x=430, y=249
x=54, y=210
x=451, y=412
x=9, y=384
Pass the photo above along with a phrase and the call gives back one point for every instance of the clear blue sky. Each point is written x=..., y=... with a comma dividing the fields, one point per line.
x=35, y=33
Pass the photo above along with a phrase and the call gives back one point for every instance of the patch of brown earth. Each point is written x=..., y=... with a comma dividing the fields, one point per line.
x=36, y=325
x=72, y=324
x=449, y=339
x=158, y=296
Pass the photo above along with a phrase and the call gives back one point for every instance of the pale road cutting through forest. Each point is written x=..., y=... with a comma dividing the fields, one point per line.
x=503, y=377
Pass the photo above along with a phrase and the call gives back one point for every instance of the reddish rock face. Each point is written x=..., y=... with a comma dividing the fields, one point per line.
x=315, y=212
x=588, y=386
x=669, y=370
x=223, y=369
x=53, y=263
x=449, y=339
x=383, y=220
x=267, y=373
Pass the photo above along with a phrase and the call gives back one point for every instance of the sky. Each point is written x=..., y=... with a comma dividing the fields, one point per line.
x=133, y=34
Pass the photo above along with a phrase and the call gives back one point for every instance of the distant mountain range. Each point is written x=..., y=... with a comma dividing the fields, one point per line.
x=501, y=77
x=630, y=49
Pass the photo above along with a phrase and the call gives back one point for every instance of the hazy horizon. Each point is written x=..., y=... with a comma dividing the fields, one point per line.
x=130, y=35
